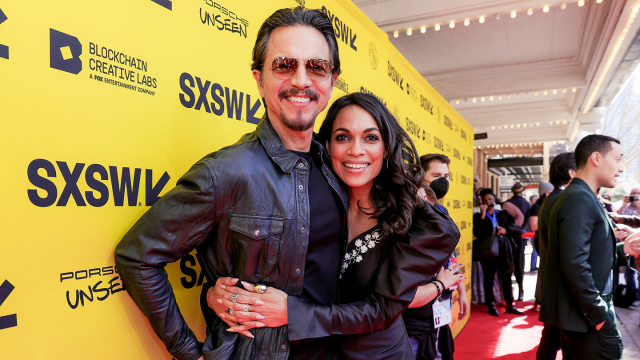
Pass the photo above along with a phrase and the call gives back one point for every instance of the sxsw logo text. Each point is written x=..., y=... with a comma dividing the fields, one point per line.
x=64, y=52
x=233, y=99
x=4, y=49
x=124, y=183
x=343, y=32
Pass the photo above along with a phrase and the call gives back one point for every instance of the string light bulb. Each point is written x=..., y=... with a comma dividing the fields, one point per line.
x=598, y=1
x=452, y=24
x=580, y=3
x=466, y=22
x=423, y=29
x=529, y=11
x=555, y=91
x=513, y=14
x=497, y=16
x=409, y=32
x=573, y=90
x=481, y=20
x=437, y=27
x=474, y=100
x=545, y=9
x=457, y=102
x=563, y=6
x=491, y=98
x=395, y=34
x=544, y=92
x=564, y=91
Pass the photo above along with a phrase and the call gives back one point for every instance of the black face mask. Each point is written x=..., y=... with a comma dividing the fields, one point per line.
x=440, y=186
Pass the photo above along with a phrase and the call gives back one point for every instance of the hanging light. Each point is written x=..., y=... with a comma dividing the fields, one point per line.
x=563, y=6
x=499, y=97
x=395, y=34
x=452, y=24
x=423, y=29
x=513, y=14
x=564, y=91
x=437, y=27
x=491, y=98
x=409, y=32
x=529, y=11
x=466, y=22
x=474, y=100
x=535, y=94
x=545, y=9
x=497, y=16
x=457, y=102
x=482, y=99
x=555, y=91
x=481, y=20
x=598, y=1
x=580, y=3
x=573, y=90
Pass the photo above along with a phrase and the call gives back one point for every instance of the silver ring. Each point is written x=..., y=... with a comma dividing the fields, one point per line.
x=260, y=288
x=234, y=298
x=230, y=311
x=245, y=307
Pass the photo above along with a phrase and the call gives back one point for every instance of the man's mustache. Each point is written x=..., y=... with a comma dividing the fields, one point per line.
x=295, y=92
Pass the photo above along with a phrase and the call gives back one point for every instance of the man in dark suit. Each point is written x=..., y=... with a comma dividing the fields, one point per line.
x=518, y=252
x=561, y=171
x=582, y=252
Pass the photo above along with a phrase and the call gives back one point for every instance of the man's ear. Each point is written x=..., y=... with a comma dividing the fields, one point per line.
x=257, y=76
x=334, y=78
x=595, y=158
x=572, y=173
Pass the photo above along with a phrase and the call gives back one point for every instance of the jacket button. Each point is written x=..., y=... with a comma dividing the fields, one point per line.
x=300, y=165
x=300, y=187
x=283, y=346
x=257, y=232
x=298, y=271
x=302, y=229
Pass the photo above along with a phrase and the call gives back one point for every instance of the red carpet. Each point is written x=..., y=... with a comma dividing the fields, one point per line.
x=506, y=337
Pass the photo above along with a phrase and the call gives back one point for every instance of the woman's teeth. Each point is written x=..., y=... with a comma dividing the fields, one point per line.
x=355, y=166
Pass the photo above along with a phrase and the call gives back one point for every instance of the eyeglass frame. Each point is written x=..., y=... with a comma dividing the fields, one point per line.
x=299, y=62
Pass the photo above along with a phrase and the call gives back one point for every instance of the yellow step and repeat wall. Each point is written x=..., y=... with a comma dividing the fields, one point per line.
x=105, y=104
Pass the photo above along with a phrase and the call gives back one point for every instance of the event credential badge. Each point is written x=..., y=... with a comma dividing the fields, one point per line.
x=441, y=313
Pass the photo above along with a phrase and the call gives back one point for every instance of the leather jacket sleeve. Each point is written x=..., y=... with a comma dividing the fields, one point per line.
x=169, y=230
x=412, y=260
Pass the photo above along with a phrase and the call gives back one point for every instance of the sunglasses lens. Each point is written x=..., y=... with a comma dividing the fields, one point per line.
x=318, y=69
x=284, y=67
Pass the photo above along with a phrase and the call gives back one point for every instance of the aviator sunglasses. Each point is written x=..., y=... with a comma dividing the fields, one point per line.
x=285, y=67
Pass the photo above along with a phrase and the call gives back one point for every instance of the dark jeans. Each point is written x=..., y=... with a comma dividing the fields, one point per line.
x=518, y=260
x=594, y=345
x=489, y=268
x=534, y=260
x=550, y=343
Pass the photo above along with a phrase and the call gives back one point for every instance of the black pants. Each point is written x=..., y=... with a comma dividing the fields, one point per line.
x=550, y=343
x=489, y=268
x=605, y=344
x=518, y=260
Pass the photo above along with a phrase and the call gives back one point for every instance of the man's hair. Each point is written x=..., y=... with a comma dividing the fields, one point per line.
x=559, y=169
x=425, y=160
x=291, y=17
x=487, y=191
x=590, y=144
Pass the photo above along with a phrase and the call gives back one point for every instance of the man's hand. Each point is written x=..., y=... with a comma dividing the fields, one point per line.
x=274, y=308
x=226, y=286
x=632, y=244
x=463, y=301
x=483, y=209
x=623, y=231
x=501, y=230
x=615, y=217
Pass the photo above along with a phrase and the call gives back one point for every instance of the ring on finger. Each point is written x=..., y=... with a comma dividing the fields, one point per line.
x=230, y=311
x=260, y=288
x=245, y=307
x=234, y=298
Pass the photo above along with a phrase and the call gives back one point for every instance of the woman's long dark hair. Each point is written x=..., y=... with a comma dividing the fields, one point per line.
x=394, y=194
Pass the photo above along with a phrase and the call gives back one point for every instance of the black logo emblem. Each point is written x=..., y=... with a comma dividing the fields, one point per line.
x=9, y=320
x=164, y=3
x=65, y=51
x=4, y=49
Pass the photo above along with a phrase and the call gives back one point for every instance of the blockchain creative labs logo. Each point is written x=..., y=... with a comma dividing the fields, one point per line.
x=65, y=51
x=4, y=49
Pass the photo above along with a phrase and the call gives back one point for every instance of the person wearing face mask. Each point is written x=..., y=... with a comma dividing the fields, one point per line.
x=427, y=342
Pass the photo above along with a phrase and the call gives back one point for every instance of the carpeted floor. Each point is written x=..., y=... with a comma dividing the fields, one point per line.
x=506, y=337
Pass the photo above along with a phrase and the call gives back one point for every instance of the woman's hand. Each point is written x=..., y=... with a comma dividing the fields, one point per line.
x=501, y=230
x=450, y=276
x=226, y=286
x=272, y=312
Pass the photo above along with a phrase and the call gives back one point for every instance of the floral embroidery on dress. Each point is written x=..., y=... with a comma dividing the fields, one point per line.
x=362, y=246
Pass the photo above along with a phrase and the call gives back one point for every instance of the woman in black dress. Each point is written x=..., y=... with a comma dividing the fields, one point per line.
x=396, y=242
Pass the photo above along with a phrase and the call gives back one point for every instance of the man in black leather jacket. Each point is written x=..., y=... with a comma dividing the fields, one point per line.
x=248, y=211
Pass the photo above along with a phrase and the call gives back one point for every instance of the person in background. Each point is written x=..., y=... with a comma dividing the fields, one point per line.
x=491, y=221
x=543, y=189
x=426, y=340
x=631, y=203
x=518, y=253
x=605, y=199
x=561, y=170
x=533, y=199
x=476, y=186
x=583, y=251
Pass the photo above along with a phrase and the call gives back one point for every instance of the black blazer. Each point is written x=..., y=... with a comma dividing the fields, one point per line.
x=542, y=236
x=483, y=227
x=581, y=255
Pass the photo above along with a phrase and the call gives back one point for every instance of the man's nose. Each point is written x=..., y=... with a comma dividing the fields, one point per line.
x=300, y=78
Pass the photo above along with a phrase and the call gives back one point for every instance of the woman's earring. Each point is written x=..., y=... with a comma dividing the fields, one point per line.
x=386, y=164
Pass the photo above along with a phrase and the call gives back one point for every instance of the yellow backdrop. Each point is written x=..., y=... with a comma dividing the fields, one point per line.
x=105, y=104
